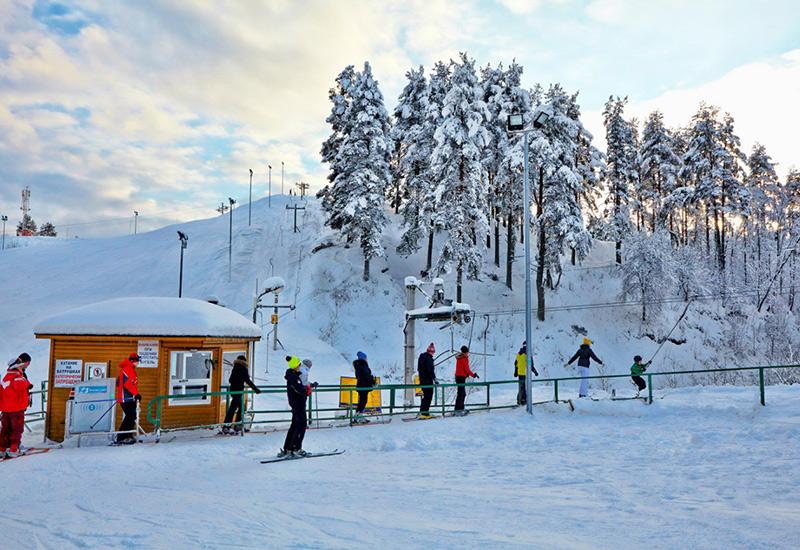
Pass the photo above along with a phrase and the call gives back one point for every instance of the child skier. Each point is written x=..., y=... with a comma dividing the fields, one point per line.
x=13, y=402
x=364, y=379
x=637, y=369
x=462, y=371
x=296, y=392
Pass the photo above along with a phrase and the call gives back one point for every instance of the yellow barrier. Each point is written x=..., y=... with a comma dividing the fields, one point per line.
x=349, y=398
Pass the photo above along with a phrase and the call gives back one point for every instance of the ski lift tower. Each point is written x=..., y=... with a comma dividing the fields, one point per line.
x=439, y=309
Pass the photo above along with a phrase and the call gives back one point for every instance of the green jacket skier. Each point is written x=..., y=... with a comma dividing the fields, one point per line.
x=637, y=369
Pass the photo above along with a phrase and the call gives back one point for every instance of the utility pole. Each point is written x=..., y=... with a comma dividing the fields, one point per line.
x=281, y=177
x=135, y=220
x=230, y=237
x=184, y=241
x=5, y=219
x=250, y=203
x=303, y=186
x=295, y=208
x=222, y=208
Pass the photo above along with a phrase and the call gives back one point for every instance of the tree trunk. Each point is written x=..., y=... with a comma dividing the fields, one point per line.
x=540, y=264
x=497, y=242
x=366, y=269
x=573, y=254
x=429, y=260
x=459, y=275
x=510, y=243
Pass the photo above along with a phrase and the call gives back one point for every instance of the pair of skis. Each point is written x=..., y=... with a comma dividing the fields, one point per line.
x=302, y=457
x=29, y=452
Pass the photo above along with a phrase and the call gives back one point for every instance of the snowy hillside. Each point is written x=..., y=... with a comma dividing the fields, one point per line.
x=337, y=313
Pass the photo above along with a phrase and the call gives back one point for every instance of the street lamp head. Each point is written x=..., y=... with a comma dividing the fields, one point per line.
x=4, y=218
x=515, y=123
x=135, y=212
x=232, y=201
x=184, y=238
x=540, y=118
x=251, y=172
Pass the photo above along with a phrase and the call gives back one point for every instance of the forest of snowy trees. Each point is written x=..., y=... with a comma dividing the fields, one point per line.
x=692, y=215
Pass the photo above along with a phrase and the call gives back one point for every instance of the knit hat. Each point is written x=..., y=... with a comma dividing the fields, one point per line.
x=464, y=349
x=134, y=357
x=241, y=358
x=587, y=341
x=294, y=362
x=431, y=348
x=307, y=362
x=361, y=355
x=637, y=358
x=23, y=358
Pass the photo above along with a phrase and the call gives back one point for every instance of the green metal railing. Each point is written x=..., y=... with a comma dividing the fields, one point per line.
x=38, y=416
x=441, y=406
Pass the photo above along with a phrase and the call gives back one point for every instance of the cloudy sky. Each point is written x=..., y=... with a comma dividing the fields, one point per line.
x=108, y=107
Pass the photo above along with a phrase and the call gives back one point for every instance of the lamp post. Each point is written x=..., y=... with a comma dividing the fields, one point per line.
x=230, y=236
x=282, y=177
x=184, y=241
x=516, y=124
x=250, y=203
x=5, y=219
x=269, y=201
x=135, y=221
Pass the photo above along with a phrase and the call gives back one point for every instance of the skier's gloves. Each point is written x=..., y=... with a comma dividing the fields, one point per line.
x=314, y=384
x=257, y=390
x=475, y=375
x=137, y=397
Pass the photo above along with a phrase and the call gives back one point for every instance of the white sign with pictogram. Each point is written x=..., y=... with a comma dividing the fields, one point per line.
x=95, y=370
x=148, y=354
x=67, y=373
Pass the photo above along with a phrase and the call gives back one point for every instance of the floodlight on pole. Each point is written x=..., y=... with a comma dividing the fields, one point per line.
x=282, y=177
x=250, y=202
x=5, y=219
x=269, y=201
x=184, y=241
x=135, y=221
x=230, y=236
x=516, y=124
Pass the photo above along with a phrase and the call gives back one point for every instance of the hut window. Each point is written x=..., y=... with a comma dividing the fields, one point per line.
x=190, y=375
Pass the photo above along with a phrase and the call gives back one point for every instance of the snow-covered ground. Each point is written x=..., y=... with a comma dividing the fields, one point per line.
x=701, y=468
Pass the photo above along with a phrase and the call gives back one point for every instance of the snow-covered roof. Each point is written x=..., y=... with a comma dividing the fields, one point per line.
x=439, y=311
x=150, y=317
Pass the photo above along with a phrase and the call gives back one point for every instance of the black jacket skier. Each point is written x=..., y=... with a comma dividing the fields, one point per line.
x=427, y=377
x=364, y=378
x=238, y=378
x=297, y=393
x=583, y=355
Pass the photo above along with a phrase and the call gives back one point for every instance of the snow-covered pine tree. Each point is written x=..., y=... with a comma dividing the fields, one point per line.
x=648, y=272
x=492, y=87
x=438, y=86
x=26, y=226
x=47, y=230
x=711, y=162
x=557, y=183
x=512, y=99
x=358, y=189
x=620, y=171
x=659, y=167
x=413, y=142
x=340, y=97
x=458, y=172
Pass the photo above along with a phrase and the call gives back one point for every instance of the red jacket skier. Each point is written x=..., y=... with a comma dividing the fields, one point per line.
x=462, y=372
x=128, y=396
x=14, y=400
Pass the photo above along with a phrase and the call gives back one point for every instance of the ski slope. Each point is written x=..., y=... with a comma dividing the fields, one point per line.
x=701, y=468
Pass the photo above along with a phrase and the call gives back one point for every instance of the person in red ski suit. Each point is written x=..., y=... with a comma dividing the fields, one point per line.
x=14, y=399
x=462, y=371
x=128, y=396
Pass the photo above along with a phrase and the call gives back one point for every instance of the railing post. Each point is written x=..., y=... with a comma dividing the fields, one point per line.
x=488, y=395
x=555, y=390
x=443, y=400
x=391, y=401
x=650, y=389
x=158, y=415
x=761, y=385
x=310, y=410
x=350, y=408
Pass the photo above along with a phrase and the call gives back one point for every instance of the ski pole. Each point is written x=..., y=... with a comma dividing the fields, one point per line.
x=114, y=404
x=316, y=402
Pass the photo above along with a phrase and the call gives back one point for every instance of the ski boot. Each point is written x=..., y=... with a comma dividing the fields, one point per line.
x=424, y=416
x=300, y=453
x=283, y=452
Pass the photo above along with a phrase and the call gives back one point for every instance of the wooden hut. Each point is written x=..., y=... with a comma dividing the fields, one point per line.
x=186, y=346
